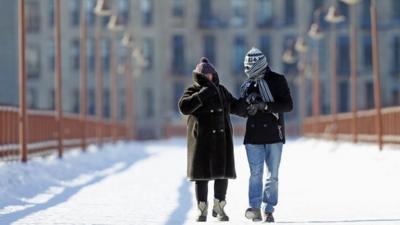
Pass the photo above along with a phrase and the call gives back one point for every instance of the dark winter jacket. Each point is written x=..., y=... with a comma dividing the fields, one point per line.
x=209, y=130
x=263, y=127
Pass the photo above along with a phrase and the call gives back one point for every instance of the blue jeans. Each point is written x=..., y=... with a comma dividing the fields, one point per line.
x=257, y=155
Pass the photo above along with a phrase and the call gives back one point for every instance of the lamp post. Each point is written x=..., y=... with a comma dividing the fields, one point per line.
x=102, y=9
x=115, y=25
x=301, y=48
x=376, y=70
x=316, y=34
x=58, y=77
x=22, y=81
x=333, y=17
x=353, y=67
x=83, y=73
x=127, y=41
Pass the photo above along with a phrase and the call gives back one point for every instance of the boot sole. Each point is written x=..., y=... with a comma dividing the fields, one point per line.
x=215, y=214
x=252, y=216
x=202, y=219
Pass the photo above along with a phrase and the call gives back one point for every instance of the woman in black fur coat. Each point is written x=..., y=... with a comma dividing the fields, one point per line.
x=208, y=105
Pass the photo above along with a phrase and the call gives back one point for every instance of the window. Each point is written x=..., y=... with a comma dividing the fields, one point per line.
x=239, y=51
x=51, y=54
x=123, y=9
x=239, y=13
x=365, y=14
x=369, y=95
x=148, y=52
x=343, y=56
x=289, y=68
x=90, y=16
x=396, y=10
x=91, y=106
x=91, y=54
x=32, y=18
x=146, y=7
x=149, y=109
x=121, y=105
x=178, y=53
x=206, y=18
x=33, y=98
x=266, y=47
x=179, y=88
x=344, y=10
x=290, y=12
x=33, y=61
x=106, y=47
x=395, y=97
x=52, y=99
x=75, y=100
x=50, y=13
x=75, y=48
x=178, y=8
x=318, y=5
x=74, y=12
x=344, y=96
x=106, y=103
x=367, y=49
x=396, y=55
x=264, y=13
x=210, y=48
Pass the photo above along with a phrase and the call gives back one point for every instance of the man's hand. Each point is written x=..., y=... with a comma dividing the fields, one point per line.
x=254, y=108
x=253, y=98
x=251, y=110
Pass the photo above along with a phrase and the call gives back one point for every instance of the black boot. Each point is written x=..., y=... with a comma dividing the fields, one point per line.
x=218, y=210
x=203, y=207
x=253, y=214
x=269, y=218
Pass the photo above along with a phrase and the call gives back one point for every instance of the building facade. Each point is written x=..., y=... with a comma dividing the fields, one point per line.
x=174, y=34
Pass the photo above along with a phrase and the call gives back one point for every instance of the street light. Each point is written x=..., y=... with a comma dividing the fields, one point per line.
x=128, y=42
x=376, y=70
x=83, y=73
x=333, y=17
x=302, y=48
x=353, y=66
x=316, y=34
x=114, y=25
x=351, y=2
x=300, y=45
x=102, y=10
x=288, y=56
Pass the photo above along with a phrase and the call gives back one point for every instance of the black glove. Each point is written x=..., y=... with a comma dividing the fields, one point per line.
x=254, y=108
x=253, y=98
x=251, y=110
x=206, y=93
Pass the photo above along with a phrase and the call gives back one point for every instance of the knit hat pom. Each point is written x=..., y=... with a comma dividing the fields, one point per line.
x=204, y=60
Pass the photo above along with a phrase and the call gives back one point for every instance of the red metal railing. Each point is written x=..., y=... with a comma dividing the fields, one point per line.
x=42, y=132
x=323, y=126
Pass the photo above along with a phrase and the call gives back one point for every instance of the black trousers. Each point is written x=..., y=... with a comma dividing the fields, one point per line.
x=220, y=187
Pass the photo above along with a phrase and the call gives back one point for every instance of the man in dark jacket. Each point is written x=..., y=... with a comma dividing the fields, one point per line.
x=269, y=97
x=210, y=147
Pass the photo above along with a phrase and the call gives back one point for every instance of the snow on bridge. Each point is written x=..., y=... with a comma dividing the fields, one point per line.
x=144, y=183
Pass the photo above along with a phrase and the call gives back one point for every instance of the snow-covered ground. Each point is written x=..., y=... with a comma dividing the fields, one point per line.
x=144, y=183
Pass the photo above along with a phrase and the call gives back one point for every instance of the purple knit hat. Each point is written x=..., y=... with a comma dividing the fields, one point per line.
x=204, y=67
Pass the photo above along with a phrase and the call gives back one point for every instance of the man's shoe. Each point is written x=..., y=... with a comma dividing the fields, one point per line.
x=269, y=218
x=202, y=209
x=218, y=210
x=253, y=214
